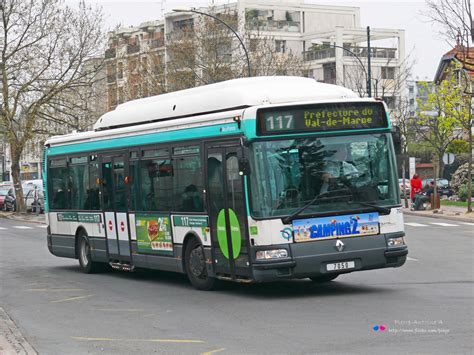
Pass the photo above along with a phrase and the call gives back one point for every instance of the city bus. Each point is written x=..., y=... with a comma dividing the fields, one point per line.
x=250, y=180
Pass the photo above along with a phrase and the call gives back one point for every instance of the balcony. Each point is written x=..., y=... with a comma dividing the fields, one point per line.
x=375, y=52
x=133, y=48
x=273, y=25
x=319, y=54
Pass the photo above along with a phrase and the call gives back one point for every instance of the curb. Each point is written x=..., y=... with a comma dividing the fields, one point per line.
x=18, y=218
x=12, y=340
x=439, y=216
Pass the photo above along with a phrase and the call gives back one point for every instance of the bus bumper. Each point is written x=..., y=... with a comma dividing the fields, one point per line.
x=310, y=259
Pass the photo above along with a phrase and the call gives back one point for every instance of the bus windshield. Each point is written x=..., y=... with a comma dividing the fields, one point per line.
x=338, y=173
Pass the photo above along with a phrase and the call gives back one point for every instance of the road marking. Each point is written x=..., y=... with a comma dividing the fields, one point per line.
x=412, y=259
x=213, y=351
x=22, y=227
x=445, y=224
x=55, y=289
x=71, y=299
x=141, y=340
x=467, y=223
x=42, y=226
x=416, y=224
x=3, y=228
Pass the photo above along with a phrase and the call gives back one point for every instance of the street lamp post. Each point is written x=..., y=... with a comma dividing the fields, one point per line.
x=192, y=9
x=367, y=74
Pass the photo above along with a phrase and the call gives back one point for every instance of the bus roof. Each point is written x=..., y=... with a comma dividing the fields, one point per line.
x=223, y=96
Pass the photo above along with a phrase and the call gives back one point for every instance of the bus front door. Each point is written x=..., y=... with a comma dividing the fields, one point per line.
x=114, y=202
x=227, y=212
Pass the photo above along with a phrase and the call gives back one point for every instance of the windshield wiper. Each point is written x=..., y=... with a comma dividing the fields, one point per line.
x=321, y=196
x=374, y=206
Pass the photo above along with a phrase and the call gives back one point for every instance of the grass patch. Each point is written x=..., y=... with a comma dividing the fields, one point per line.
x=453, y=203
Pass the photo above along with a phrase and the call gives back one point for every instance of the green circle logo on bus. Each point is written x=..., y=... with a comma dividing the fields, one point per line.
x=234, y=233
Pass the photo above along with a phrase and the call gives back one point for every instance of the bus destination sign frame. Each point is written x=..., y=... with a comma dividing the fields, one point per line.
x=324, y=117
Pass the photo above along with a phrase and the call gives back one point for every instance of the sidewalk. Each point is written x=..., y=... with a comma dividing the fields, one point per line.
x=26, y=217
x=447, y=212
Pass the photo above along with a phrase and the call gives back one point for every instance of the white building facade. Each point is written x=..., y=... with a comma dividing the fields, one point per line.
x=330, y=40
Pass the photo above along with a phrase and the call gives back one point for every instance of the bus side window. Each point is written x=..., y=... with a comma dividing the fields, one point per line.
x=155, y=185
x=58, y=194
x=92, y=200
x=188, y=184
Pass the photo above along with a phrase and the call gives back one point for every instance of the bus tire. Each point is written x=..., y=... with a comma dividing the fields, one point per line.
x=84, y=255
x=195, y=266
x=323, y=278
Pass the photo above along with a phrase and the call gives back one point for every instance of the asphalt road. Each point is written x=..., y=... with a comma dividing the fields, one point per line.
x=425, y=307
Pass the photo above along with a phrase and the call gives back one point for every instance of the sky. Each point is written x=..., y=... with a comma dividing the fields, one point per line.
x=422, y=38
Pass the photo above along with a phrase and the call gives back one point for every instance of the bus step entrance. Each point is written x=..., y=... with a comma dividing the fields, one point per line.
x=122, y=266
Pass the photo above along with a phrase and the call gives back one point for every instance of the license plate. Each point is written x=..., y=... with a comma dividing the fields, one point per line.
x=344, y=265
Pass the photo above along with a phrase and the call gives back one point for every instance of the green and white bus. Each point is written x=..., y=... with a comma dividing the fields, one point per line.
x=250, y=180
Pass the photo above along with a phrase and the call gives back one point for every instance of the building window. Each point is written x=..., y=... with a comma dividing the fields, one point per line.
x=183, y=25
x=388, y=73
x=329, y=73
x=120, y=70
x=280, y=46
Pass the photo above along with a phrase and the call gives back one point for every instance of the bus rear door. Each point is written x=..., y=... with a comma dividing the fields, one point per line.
x=114, y=202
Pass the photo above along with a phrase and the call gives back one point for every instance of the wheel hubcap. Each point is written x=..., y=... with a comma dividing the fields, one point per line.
x=84, y=252
x=196, y=262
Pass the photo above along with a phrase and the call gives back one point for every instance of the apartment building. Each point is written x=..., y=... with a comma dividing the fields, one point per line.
x=418, y=91
x=330, y=41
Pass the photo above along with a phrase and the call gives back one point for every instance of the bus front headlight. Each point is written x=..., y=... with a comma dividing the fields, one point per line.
x=271, y=254
x=396, y=242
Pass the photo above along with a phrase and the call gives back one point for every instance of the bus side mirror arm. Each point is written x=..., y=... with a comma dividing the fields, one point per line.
x=397, y=139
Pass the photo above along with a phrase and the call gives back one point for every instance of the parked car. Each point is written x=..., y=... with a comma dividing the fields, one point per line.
x=34, y=200
x=38, y=183
x=407, y=187
x=5, y=189
x=442, y=184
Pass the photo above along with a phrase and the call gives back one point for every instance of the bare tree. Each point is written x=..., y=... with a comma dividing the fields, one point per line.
x=456, y=19
x=268, y=60
x=146, y=76
x=388, y=82
x=44, y=46
x=207, y=52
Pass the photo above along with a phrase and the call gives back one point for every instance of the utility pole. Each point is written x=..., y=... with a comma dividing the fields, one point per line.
x=369, y=72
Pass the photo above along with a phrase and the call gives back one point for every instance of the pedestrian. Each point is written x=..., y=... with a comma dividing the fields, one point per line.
x=415, y=187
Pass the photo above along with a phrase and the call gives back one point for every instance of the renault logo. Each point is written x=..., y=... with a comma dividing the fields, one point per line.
x=339, y=245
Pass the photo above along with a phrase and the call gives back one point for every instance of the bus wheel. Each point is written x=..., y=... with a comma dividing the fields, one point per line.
x=323, y=278
x=85, y=260
x=195, y=266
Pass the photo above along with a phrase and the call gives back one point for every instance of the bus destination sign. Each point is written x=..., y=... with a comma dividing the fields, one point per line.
x=321, y=117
